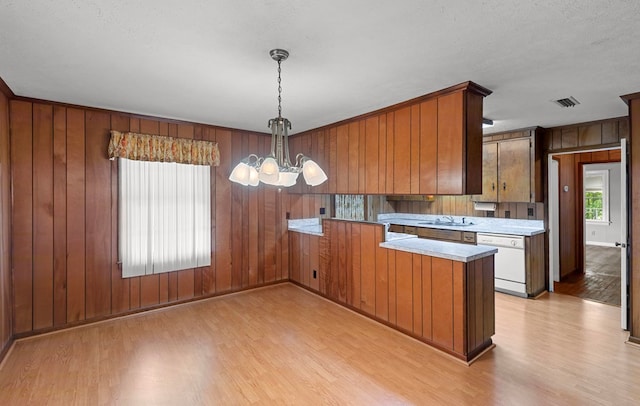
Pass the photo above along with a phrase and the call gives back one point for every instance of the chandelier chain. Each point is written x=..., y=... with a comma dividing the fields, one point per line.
x=279, y=92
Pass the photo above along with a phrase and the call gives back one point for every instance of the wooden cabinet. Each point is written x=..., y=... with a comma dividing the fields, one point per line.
x=444, y=303
x=512, y=168
x=425, y=146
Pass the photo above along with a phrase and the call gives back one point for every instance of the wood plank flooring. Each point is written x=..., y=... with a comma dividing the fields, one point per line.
x=284, y=345
x=601, y=279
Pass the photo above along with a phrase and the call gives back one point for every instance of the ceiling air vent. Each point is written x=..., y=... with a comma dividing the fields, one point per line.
x=568, y=102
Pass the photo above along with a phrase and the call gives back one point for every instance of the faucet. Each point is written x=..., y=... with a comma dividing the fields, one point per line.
x=449, y=219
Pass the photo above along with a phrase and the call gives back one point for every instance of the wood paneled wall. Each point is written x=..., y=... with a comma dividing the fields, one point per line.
x=593, y=134
x=307, y=206
x=6, y=328
x=65, y=220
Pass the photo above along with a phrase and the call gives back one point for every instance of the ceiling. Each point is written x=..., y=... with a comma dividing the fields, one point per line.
x=208, y=61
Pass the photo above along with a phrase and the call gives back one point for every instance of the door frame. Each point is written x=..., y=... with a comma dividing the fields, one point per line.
x=553, y=226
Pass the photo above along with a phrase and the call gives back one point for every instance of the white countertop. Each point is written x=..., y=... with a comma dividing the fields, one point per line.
x=313, y=226
x=526, y=228
x=441, y=249
x=409, y=243
x=306, y=226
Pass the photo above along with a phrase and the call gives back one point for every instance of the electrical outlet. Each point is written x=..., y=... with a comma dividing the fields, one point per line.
x=507, y=214
x=315, y=274
x=322, y=210
x=288, y=215
x=530, y=212
x=491, y=214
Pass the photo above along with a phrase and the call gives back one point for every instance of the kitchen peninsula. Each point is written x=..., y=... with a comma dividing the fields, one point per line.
x=519, y=263
x=441, y=293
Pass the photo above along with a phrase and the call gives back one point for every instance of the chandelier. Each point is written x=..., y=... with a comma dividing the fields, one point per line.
x=277, y=169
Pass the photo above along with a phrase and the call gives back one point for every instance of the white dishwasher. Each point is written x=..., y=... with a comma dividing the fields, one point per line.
x=510, y=269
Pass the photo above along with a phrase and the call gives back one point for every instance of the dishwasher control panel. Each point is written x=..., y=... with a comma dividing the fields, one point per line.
x=501, y=240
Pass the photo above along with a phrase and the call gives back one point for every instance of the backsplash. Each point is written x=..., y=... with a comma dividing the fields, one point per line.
x=367, y=207
x=463, y=206
x=350, y=207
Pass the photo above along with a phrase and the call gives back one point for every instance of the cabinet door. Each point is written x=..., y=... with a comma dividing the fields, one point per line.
x=451, y=148
x=514, y=170
x=489, y=173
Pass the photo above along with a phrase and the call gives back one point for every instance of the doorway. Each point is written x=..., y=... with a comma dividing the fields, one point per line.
x=587, y=221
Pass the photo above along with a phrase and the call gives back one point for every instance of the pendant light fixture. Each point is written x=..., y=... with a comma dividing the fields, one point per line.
x=277, y=169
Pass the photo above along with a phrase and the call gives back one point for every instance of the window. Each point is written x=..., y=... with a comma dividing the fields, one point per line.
x=165, y=217
x=596, y=196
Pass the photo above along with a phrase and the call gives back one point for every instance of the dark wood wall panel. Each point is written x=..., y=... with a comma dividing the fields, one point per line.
x=59, y=215
x=65, y=218
x=98, y=212
x=223, y=249
x=587, y=135
x=43, y=215
x=22, y=221
x=75, y=223
x=342, y=153
x=6, y=309
x=568, y=256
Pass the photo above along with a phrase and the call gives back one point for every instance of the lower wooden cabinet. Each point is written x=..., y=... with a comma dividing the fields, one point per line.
x=446, y=304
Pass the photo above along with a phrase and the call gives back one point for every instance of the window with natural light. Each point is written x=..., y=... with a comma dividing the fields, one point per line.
x=165, y=217
x=596, y=196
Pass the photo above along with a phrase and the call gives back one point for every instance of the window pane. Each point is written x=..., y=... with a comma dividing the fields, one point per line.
x=165, y=217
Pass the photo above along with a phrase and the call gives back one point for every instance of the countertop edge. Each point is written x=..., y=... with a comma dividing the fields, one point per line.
x=425, y=249
x=311, y=230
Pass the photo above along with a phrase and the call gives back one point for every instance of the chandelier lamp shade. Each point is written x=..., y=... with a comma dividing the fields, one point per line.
x=277, y=168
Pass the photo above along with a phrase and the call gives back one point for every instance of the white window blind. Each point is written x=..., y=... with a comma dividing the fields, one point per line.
x=164, y=217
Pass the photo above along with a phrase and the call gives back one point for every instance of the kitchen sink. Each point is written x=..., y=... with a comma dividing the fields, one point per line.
x=444, y=223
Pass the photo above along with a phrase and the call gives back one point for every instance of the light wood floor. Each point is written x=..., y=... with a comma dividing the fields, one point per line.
x=284, y=345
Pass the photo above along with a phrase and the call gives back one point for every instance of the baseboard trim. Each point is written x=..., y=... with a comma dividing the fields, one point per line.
x=6, y=350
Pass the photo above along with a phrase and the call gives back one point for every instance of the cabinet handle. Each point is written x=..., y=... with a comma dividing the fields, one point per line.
x=504, y=186
x=493, y=186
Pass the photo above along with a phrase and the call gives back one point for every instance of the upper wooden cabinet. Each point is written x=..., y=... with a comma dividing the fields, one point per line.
x=512, y=167
x=424, y=146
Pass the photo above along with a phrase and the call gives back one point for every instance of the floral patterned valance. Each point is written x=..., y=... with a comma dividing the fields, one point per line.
x=157, y=148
